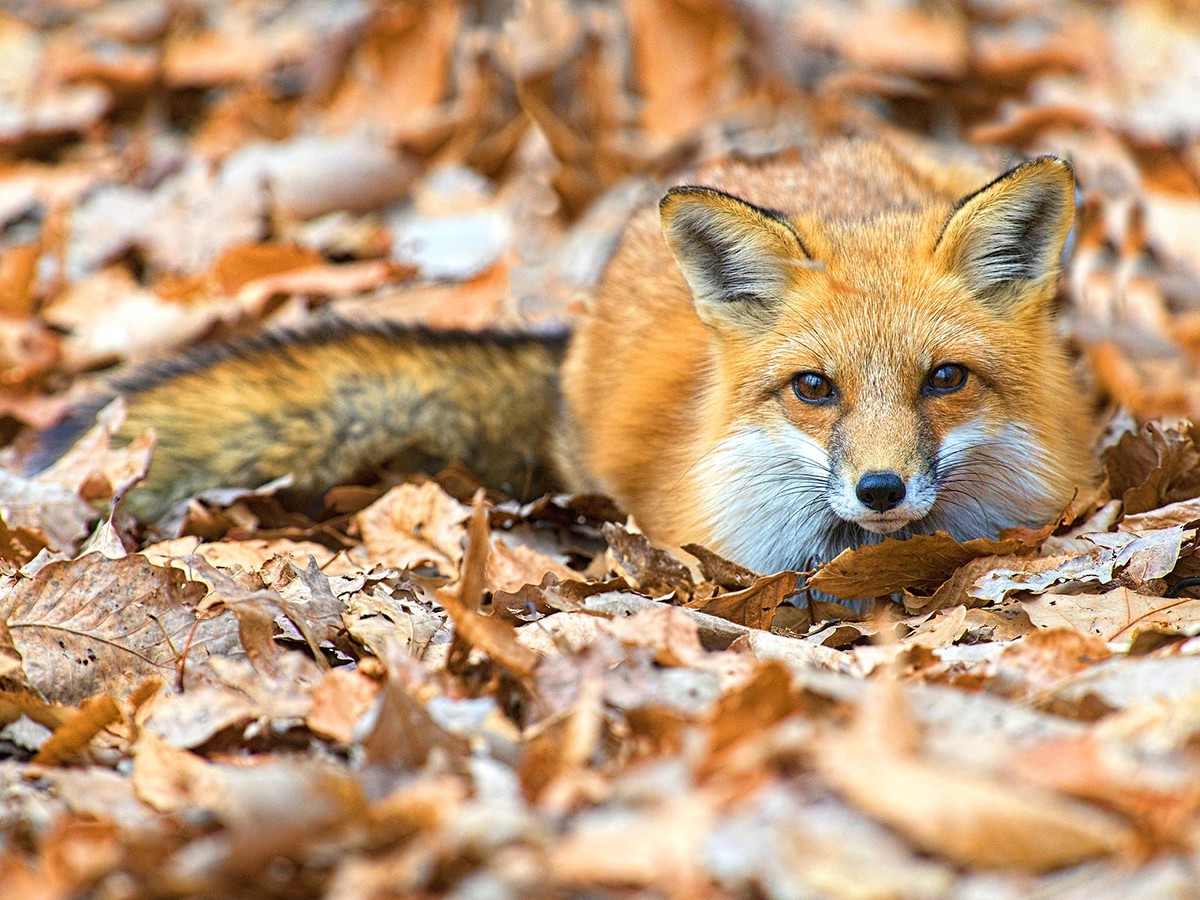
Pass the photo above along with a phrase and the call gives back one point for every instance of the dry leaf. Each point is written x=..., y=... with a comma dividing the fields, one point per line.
x=919, y=564
x=1118, y=616
x=415, y=525
x=495, y=637
x=652, y=571
x=340, y=700
x=96, y=625
x=93, y=715
x=968, y=819
x=753, y=606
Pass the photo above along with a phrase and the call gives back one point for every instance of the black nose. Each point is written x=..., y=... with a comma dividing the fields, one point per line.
x=880, y=491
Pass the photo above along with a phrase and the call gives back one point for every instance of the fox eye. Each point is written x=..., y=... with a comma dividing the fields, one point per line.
x=812, y=387
x=946, y=379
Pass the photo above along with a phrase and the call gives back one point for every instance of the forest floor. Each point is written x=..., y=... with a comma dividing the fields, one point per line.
x=416, y=693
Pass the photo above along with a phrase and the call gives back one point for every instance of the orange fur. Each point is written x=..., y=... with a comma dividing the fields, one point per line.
x=868, y=279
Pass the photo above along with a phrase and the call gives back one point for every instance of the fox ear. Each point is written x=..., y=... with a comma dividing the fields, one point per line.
x=1007, y=238
x=737, y=258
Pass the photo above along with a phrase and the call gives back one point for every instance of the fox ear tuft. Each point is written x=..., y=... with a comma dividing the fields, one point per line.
x=1006, y=239
x=737, y=259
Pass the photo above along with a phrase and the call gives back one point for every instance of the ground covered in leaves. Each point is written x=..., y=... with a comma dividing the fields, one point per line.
x=422, y=688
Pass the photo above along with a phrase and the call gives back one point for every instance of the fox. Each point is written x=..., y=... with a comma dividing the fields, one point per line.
x=782, y=359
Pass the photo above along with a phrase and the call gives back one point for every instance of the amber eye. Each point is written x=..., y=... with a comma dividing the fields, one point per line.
x=812, y=387
x=946, y=379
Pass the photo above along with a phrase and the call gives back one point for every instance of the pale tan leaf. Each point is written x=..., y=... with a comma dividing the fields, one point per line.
x=95, y=625
x=340, y=700
x=415, y=525
x=969, y=819
x=1119, y=615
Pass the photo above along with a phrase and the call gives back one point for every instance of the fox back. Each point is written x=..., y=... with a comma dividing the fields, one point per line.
x=791, y=358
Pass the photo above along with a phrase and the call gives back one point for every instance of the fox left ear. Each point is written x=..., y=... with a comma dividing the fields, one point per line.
x=737, y=258
x=1006, y=239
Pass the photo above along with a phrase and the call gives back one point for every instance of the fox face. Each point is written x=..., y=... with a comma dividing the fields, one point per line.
x=888, y=376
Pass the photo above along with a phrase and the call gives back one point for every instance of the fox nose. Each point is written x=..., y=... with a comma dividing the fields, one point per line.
x=880, y=491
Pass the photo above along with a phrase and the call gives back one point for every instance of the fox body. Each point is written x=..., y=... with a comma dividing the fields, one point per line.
x=785, y=359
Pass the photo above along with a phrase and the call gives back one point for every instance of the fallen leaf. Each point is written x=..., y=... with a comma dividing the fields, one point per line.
x=968, y=819
x=1117, y=616
x=93, y=715
x=95, y=625
x=494, y=636
x=753, y=606
x=920, y=564
x=340, y=700
x=653, y=571
x=415, y=525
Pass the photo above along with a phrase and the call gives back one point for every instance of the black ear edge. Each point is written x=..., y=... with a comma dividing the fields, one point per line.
x=780, y=218
x=1000, y=179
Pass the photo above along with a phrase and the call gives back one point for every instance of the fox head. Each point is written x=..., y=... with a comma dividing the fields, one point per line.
x=891, y=375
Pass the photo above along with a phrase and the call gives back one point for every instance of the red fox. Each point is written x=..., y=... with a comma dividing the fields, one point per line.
x=785, y=359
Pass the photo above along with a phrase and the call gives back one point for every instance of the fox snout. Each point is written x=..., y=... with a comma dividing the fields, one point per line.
x=880, y=491
x=881, y=500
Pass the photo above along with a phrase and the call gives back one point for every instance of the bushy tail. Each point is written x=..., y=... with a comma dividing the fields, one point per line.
x=333, y=401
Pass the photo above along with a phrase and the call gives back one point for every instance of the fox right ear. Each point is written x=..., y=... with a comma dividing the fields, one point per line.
x=737, y=259
x=1006, y=239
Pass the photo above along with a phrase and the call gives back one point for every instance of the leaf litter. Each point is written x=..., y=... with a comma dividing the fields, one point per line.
x=421, y=690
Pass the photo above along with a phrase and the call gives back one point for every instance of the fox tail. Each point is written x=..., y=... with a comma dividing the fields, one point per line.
x=331, y=402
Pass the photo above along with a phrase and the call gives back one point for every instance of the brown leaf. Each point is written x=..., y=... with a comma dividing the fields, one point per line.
x=54, y=511
x=310, y=605
x=956, y=590
x=969, y=819
x=202, y=712
x=744, y=713
x=670, y=632
x=169, y=779
x=254, y=610
x=1153, y=466
x=1118, y=616
x=941, y=629
x=494, y=636
x=340, y=700
x=650, y=570
x=414, y=525
x=753, y=606
x=93, y=716
x=689, y=61
x=401, y=730
x=95, y=625
x=1183, y=512
x=1046, y=657
x=920, y=564
x=1136, y=560
x=336, y=281
x=720, y=571
x=510, y=569
x=558, y=749
x=18, y=271
x=406, y=52
x=1162, y=808
x=19, y=545
x=240, y=264
x=659, y=847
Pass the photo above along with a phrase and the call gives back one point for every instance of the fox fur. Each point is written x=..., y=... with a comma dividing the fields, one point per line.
x=841, y=267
